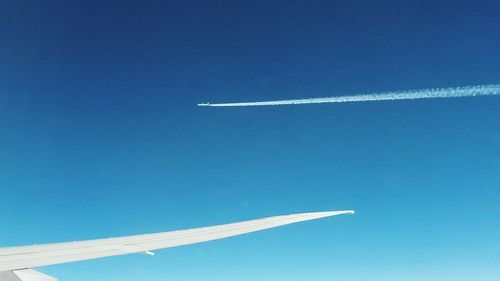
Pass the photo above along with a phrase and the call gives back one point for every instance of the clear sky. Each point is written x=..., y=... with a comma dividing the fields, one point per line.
x=100, y=135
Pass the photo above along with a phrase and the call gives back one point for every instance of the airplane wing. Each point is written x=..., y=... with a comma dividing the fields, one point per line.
x=19, y=260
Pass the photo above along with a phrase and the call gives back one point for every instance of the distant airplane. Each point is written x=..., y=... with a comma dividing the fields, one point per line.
x=16, y=262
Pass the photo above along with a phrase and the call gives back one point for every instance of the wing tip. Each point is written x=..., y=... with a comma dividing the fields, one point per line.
x=336, y=213
x=324, y=214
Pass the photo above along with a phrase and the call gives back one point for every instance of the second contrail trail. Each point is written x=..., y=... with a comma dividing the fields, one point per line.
x=455, y=92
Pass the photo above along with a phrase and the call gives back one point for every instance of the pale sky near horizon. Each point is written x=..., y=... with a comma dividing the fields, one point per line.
x=100, y=136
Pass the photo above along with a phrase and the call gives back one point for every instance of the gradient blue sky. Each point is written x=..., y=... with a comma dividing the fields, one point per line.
x=100, y=135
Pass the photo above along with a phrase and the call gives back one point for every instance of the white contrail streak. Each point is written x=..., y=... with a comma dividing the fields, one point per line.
x=456, y=92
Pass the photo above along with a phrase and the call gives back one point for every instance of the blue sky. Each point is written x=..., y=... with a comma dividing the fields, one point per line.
x=100, y=135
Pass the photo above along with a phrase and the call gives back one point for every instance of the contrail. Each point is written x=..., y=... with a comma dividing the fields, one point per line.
x=455, y=92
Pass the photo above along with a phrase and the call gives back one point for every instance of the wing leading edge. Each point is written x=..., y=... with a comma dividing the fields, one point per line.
x=17, y=258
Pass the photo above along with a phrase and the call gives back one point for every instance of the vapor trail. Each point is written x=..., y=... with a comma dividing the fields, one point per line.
x=455, y=92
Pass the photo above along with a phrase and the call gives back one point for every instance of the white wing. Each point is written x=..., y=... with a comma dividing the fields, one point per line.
x=16, y=258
